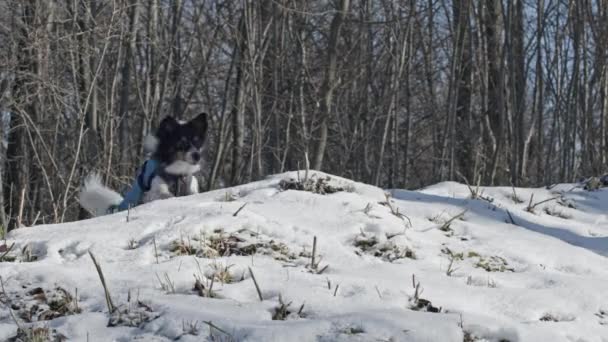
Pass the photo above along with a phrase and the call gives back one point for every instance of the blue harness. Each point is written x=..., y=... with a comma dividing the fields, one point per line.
x=141, y=185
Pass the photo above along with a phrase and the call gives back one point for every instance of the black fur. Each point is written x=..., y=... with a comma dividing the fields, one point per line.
x=181, y=141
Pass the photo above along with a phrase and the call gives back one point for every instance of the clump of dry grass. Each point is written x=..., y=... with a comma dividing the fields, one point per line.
x=133, y=314
x=418, y=303
x=283, y=311
x=388, y=250
x=203, y=285
x=39, y=305
x=37, y=334
x=493, y=264
x=222, y=244
x=316, y=185
x=488, y=263
x=7, y=253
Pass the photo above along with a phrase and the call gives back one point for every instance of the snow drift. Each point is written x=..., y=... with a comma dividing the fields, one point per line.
x=445, y=263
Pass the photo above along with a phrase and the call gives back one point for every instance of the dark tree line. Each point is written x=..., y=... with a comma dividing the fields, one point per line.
x=398, y=93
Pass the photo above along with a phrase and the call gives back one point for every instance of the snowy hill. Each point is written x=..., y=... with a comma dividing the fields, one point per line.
x=500, y=267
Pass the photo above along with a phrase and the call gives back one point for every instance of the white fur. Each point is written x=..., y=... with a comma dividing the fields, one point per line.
x=181, y=167
x=159, y=189
x=96, y=198
x=193, y=186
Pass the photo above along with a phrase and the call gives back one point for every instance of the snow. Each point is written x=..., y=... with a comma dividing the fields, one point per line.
x=497, y=273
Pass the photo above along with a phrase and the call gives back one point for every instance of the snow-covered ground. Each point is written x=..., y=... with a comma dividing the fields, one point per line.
x=486, y=269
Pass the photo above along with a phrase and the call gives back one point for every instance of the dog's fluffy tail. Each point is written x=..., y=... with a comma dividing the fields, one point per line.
x=96, y=198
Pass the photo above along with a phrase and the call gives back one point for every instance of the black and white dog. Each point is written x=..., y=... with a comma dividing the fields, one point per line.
x=176, y=151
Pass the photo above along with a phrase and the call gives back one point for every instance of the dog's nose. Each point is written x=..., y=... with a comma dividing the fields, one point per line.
x=196, y=156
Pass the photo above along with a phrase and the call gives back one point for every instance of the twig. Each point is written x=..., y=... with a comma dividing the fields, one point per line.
x=336, y=290
x=451, y=270
x=239, y=210
x=530, y=208
x=21, y=204
x=446, y=225
x=111, y=307
x=307, y=166
x=155, y=249
x=7, y=251
x=15, y=319
x=211, y=325
x=76, y=299
x=314, y=252
x=378, y=291
x=474, y=193
x=323, y=269
x=301, y=309
x=257, y=287
x=36, y=218
x=511, y=217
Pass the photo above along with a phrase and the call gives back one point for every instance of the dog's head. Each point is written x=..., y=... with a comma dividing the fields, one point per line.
x=180, y=144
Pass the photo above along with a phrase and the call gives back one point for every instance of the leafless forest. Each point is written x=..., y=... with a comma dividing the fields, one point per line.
x=398, y=93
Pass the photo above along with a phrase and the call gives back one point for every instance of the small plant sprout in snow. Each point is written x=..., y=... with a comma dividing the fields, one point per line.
x=203, y=285
x=190, y=328
x=166, y=284
x=132, y=244
x=394, y=210
x=282, y=311
x=221, y=272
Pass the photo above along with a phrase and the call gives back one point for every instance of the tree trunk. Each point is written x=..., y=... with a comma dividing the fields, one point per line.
x=330, y=82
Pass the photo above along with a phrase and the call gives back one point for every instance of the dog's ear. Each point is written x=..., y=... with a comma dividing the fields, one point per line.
x=200, y=124
x=167, y=126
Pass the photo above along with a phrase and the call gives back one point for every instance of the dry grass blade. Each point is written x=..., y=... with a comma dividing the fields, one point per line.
x=511, y=218
x=314, y=252
x=213, y=326
x=111, y=306
x=7, y=251
x=531, y=206
x=257, y=287
x=239, y=210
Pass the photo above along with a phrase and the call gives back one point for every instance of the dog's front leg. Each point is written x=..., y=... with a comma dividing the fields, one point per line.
x=192, y=186
x=159, y=189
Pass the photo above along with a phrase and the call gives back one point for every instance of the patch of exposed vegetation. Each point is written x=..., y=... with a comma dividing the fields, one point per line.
x=387, y=250
x=488, y=263
x=316, y=185
x=283, y=311
x=37, y=334
x=352, y=330
x=8, y=253
x=221, y=244
x=37, y=304
x=603, y=316
x=418, y=303
x=549, y=317
x=133, y=314
x=493, y=264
